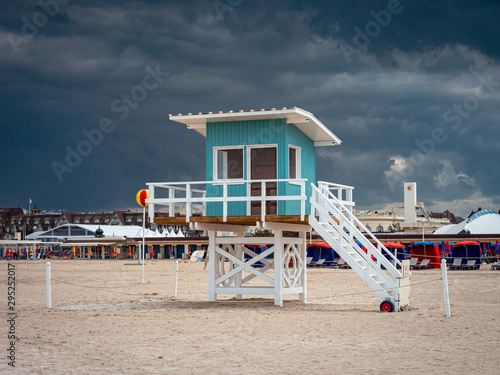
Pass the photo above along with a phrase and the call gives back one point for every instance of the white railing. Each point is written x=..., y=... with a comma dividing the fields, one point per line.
x=343, y=193
x=347, y=220
x=194, y=200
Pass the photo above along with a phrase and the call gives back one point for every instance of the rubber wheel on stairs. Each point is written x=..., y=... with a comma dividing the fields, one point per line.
x=387, y=306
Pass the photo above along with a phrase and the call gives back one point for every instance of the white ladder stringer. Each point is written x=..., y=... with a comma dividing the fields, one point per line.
x=338, y=226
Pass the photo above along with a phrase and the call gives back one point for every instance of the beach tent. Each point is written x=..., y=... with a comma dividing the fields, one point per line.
x=364, y=248
x=321, y=250
x=396, y=249
x=445, y=248
x=257, y=249
x=426, y=250
x=469, y=251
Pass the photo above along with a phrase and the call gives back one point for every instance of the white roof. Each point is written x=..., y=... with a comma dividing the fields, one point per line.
x=303, y=120
x=31, y=236
x=482, y=222
x=117, y=230
x=109, y=231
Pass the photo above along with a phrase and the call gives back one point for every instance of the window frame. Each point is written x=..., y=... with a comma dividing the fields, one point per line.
x=298, y=163
x=215, y=170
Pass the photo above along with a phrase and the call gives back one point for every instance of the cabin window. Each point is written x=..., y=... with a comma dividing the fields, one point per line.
x=228, y=163
x=293, y=162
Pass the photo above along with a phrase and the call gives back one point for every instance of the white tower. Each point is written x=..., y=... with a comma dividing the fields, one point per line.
x=410, y=203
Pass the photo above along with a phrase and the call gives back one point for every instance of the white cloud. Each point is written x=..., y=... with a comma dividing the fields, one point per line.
x=447, y=176
x=462, y=207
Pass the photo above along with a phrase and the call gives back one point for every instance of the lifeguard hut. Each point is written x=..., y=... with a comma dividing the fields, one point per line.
x=261, y=172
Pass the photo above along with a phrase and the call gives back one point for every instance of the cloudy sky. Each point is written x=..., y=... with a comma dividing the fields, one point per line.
x=411, y=88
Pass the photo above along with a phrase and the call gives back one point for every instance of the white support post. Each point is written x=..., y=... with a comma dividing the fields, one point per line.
x=212, y=265
x=445, y=288
x=302, y=202
x=171, y=205
x=49, y=285
x=239, y=276
x=204, y=195
x=188, y=202
x=263, y=202
x=278, y=268
x=302, y=245
x=151, y=206
x=224, y=203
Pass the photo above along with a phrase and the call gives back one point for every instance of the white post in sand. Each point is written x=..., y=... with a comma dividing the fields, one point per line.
x=176, y=276
x=48, y=282
x=445, y=288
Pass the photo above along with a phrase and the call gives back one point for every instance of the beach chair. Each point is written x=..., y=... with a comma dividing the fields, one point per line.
x=456, y=265
x=319, y=263
x=471, y=264
x=413, y=262
x=423, y=265
x=496, y=266
x=342, y=263
x=308, y=261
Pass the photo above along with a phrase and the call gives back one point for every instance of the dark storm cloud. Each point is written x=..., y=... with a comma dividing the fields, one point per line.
x=384, y=101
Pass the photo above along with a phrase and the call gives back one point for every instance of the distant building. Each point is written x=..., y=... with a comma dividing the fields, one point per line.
x=15, y=222
x=481, y=222
x=8, y=226
x=415, y=217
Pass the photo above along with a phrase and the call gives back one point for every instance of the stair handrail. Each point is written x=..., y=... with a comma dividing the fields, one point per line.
x=351, y=219
x=347, y=236
x=361, y=225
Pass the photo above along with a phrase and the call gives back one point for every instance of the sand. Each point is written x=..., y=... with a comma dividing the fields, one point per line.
x=132, y=328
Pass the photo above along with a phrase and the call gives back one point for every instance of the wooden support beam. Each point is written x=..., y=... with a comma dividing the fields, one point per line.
x=233, y=220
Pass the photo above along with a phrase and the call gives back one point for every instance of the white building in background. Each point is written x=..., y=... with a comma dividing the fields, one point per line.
x=482, y=222
x=82, y=231
x=415, y=217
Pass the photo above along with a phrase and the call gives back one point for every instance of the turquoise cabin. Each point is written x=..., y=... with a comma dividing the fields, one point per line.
x=253, y=155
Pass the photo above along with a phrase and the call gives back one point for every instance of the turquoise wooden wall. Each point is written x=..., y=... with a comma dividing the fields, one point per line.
x=260, y=132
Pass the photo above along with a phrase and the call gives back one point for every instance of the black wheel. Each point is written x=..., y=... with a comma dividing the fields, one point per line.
x=387, y=306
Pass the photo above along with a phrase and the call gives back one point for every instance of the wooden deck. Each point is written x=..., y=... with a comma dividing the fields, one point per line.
x=236, y=220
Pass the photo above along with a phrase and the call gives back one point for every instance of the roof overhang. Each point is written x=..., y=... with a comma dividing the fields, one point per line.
x=303, y=120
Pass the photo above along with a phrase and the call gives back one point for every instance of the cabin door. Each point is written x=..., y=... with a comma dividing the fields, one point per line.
x=263, y=166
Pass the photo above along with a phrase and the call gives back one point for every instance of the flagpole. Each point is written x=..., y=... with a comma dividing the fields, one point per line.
x=34, y=234
x=143, y=230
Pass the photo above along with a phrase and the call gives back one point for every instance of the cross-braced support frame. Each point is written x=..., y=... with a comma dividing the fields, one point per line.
x=242, y=270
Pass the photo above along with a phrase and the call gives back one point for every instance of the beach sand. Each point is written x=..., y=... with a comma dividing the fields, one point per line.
x=127, y=327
